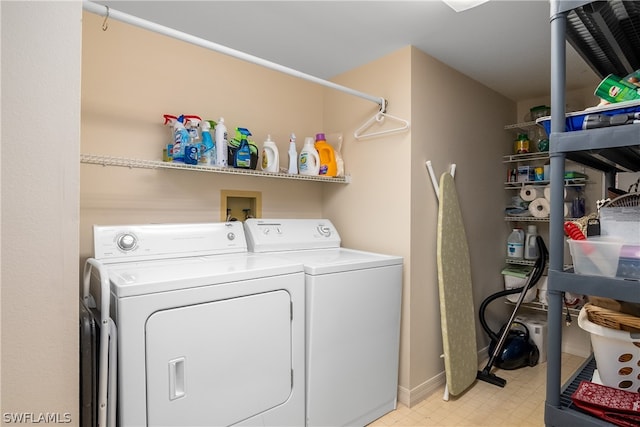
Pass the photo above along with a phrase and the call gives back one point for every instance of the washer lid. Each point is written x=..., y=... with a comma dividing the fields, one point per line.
x=337, y=260
x=147, y=277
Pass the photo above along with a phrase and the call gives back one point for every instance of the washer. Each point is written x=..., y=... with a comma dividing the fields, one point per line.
x=208, y=334
x=353, y=301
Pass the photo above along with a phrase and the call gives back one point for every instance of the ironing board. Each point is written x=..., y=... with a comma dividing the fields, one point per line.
x=457, y=314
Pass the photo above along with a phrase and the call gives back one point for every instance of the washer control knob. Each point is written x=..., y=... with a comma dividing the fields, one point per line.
x=231, y=236
x=324, y=230
x=126, y=242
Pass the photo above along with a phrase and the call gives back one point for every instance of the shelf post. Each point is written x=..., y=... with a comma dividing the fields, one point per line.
x=556, y=233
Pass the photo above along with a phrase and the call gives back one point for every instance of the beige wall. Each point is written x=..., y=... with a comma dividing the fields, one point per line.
x=453, y=120
x=373, y=212
x=457, y=121
x=131, y=77
x=40, y=180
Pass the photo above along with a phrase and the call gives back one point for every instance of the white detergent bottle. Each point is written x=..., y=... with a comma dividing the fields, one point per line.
x=530, y=248
x=515, y=244
x=309, y=161
x=293, y=155
x=221, y=143
x=270, y=157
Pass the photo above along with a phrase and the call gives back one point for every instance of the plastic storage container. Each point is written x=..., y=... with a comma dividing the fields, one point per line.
x=515, y=277
x=575, y=121
x=596, y=256
x=617, y=354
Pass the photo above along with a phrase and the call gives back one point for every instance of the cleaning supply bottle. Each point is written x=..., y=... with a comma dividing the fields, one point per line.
x=293, y=155
x=167, y=151
x=309, y=161
x=192, y=124
x=515, y=244
x=192, y=149
x=270, y=157
x=328, y=165
x=242, y=155
x=221, y=143
x=180, y=142
x=207, y=147
x=530, y=248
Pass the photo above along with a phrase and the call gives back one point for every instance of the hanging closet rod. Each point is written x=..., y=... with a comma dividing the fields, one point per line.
x=109, y=13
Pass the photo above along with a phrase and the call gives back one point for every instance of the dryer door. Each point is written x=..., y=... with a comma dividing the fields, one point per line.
x=218, y=363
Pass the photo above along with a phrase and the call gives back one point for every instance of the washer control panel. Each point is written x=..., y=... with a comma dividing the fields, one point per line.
x=270, y=235
x=159, y=241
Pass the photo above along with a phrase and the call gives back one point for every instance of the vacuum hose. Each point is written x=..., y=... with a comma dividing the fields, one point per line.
x=537, y=273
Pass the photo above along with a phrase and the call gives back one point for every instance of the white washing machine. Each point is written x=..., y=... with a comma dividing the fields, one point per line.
x=353, y=301
x=208, y=334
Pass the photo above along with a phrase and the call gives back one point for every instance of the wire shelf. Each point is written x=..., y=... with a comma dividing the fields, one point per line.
x=158, y=164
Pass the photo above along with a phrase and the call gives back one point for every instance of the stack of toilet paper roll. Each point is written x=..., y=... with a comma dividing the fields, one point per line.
x=539, y=201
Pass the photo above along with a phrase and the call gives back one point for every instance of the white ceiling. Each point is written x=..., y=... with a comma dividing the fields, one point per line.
x=504, y=45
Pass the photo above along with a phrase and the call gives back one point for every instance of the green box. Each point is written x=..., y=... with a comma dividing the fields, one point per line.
x=614, y=89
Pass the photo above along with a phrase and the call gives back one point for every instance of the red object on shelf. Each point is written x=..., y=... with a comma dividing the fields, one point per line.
x=573, y=231
x=619, y=407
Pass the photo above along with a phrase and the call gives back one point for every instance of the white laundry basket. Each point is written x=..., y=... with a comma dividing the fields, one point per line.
x=617, y=354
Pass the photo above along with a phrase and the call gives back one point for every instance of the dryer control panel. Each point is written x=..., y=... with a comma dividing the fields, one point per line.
x=273, y=235
x=159, y=241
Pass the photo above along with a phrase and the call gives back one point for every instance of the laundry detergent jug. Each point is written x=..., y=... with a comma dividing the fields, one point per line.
x=309, y=161
x=270, y=157
x=328, y=164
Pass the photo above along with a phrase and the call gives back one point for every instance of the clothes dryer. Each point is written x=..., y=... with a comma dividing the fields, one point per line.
x=208, y=334
x=353, y=301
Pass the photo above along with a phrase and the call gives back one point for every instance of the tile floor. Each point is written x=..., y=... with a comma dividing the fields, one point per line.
x=519, y=404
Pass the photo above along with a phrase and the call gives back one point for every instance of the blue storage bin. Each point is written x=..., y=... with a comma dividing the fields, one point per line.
x=575, y=121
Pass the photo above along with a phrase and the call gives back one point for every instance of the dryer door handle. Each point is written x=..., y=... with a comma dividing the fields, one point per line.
x=176, y=378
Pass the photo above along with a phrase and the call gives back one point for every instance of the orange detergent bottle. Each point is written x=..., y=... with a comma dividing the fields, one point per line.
x=328, y=164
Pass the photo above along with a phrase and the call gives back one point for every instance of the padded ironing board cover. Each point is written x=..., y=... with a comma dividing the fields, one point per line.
x=457, y=314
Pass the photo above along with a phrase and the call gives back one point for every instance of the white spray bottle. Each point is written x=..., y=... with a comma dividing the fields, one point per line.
x=293, y=155
x=221, y=143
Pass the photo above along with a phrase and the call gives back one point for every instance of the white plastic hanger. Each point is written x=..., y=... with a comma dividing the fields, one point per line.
x=379, y=117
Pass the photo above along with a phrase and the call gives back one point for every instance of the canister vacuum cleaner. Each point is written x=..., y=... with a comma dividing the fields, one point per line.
x=511, y=348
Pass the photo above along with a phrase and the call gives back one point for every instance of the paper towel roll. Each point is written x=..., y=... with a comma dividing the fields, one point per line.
x=529, y=193
x=539, y=208
x=547, y=193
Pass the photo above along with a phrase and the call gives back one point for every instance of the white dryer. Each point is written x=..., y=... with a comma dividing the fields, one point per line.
x=208, y=334
x=353, y=301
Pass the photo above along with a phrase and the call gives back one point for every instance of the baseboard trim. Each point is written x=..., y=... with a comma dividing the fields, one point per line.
x=410, y=397
x=417, y=394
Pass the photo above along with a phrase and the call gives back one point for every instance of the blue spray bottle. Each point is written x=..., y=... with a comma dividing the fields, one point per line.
x=207, y=146
x=192, y=149
x=180, y=140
